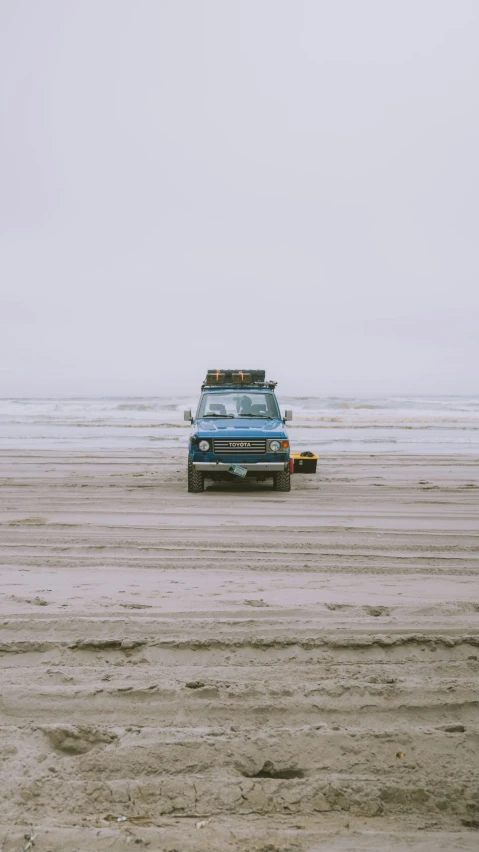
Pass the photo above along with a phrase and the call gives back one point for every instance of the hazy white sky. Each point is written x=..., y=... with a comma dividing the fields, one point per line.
x=223, y=183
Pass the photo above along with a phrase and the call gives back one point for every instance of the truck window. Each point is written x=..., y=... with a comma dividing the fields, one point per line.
x=238, y=404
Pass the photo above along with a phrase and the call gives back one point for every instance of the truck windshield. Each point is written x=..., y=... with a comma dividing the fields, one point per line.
x=239, y=404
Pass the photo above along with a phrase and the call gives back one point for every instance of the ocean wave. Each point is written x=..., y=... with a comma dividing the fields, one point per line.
x=135, y=406
x=428, y=424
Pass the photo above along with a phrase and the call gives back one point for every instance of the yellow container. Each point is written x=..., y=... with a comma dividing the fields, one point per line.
x=305, y=464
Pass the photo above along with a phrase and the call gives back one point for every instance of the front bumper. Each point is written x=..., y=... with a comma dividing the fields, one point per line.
x=259, y=467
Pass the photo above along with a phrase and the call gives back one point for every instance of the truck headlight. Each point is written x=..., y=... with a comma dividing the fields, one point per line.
x=204, y=446
x=274, y=446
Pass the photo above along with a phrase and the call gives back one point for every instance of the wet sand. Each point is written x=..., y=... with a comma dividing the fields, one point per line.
x=239, y=669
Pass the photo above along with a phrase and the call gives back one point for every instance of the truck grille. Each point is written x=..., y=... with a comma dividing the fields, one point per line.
x=239, y=447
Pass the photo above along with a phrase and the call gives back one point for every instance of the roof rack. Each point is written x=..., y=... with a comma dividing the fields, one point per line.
x=236, y=386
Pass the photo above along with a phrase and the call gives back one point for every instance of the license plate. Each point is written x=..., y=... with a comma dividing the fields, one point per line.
x=237, y=470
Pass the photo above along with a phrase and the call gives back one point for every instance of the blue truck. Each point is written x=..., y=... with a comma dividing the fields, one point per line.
x=238, y=431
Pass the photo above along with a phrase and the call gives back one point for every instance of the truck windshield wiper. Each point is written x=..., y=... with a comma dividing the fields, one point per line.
x=260, y=416
x=217, y=415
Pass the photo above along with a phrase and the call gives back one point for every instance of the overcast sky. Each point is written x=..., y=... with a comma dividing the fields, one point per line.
x=188, y=184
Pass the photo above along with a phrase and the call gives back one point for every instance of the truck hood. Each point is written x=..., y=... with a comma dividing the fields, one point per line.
x=239, y=427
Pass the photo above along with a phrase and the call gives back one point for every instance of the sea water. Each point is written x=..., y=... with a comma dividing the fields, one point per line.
x=398, y=424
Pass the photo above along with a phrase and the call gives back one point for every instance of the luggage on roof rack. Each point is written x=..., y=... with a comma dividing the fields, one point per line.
x=234, y=377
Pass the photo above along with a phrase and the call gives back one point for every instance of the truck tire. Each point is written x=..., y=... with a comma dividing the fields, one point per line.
x=196, y=479
x=282, y=481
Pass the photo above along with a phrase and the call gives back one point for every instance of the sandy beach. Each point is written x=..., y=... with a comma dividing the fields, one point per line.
x=239, y=669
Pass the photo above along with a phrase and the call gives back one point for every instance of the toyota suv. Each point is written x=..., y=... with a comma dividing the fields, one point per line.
x=238, y=431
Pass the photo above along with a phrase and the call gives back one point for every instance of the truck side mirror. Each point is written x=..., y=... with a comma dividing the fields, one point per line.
x=187, y=415
x=288, y=414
